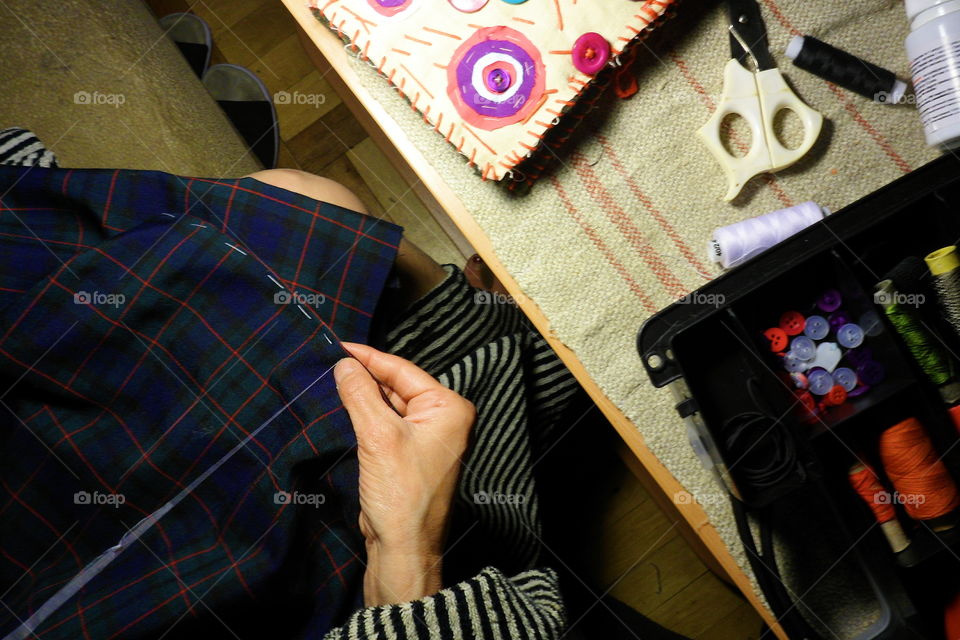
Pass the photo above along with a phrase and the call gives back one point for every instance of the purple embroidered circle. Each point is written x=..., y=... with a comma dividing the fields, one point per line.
x=495, y=78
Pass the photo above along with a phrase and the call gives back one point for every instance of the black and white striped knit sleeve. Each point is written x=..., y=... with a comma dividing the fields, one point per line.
x=489, y=606
x=481, y=346
x=20, y=147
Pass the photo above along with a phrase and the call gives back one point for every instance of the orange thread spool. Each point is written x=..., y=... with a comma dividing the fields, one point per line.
x=865, y=482
x=951, y=618
x=922, y=481
x=955, y=416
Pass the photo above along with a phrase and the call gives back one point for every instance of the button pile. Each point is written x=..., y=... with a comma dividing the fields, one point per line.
x=823, y=353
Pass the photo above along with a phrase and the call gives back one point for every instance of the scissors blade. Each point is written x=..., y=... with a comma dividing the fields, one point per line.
x=747, y=21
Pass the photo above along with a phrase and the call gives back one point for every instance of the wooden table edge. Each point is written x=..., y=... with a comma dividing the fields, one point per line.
x=656, y=477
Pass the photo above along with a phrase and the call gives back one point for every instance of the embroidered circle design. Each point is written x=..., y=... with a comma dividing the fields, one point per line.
x=390, y=8
x=495, y=78
x=468, y=6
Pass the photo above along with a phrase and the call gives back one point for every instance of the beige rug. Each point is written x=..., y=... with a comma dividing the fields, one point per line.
x=620, y=230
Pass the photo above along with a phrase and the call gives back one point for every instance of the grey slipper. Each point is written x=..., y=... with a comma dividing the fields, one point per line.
x=192, y=35
x=249, y=105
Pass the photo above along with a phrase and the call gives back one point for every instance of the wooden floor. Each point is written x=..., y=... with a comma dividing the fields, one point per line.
x=632, y=550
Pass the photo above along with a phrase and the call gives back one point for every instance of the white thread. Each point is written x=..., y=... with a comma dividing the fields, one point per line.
x=738, y=242
x=274, y=281
x=98, y=564
x=233, y=247
x=168, y=214
x=195, y=224
x=303, y=311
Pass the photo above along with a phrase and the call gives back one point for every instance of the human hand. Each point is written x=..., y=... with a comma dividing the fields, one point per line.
x=409, y=466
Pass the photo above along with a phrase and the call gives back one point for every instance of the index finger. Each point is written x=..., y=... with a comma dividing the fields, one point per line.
x=403, y=377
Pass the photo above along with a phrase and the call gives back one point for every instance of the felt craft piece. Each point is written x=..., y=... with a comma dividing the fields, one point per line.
x=491, y=76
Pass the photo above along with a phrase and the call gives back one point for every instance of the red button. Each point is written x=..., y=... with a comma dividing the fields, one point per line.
x=792, y=322
x=777, y=338
x=835, y=397
x=590, y=52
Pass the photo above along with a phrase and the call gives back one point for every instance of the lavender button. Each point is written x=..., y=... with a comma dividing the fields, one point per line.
x=793, y=363
x=850, y=336
x=816, y=328
x=804, y=348
x=820, y=382
x=845, y=377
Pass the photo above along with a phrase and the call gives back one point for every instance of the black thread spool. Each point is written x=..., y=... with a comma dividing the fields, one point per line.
x=846, y=70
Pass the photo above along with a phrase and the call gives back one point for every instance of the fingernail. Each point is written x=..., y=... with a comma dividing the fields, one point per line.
x=344, y=368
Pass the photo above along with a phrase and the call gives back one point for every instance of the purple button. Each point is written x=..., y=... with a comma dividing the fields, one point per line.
x=816, y=328
x=498, y=80
x=820, y=382
x=845, y=377
x=859, y=390
x=804, y=348
x=830, y=300
x=859, y=355
x=850, y=336
x=839, y=319
x=871, y=372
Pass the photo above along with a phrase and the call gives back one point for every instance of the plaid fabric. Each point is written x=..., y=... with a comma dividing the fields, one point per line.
x=148, y=326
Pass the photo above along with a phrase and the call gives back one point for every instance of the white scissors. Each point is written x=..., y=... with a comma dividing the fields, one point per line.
x=757, y=97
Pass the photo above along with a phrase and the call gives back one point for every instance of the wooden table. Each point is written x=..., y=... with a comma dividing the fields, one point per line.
x=328, y=54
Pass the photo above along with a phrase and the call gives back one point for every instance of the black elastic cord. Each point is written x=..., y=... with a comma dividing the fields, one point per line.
x=760, y=450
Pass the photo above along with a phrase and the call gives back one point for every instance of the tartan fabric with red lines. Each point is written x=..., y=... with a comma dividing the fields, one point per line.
x=144, y=333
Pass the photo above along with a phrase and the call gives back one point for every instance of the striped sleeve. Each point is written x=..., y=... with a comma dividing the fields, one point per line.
x=489, y=606
x=20, y=147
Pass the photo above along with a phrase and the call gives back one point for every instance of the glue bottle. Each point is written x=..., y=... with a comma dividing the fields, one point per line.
x=933, y=47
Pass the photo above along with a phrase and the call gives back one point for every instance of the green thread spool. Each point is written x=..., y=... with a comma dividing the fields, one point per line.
x=931, y=358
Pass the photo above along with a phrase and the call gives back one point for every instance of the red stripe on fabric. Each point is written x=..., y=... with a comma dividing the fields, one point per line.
x=226, y=213
x=66, y=179
x=293, y=284
x=46, y=522
x=628, y=229
x=106, y=207
x=184, y=589
x=665, y=224
x=126, y=309
x=848, y=104
x=293, y=206
x=692, y=80
x=306, y=241
x=346, y=268
x=33, y=302
x=601, y=246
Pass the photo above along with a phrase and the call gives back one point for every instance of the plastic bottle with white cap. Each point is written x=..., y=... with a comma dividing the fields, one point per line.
x=933, y=47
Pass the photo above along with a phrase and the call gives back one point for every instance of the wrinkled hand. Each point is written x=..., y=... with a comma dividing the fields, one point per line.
x=409, y=466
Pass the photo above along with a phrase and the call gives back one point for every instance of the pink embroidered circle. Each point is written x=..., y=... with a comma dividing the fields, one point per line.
x=495, y=78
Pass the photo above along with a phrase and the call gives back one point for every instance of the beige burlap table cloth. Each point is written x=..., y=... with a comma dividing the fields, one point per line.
x=619, y=230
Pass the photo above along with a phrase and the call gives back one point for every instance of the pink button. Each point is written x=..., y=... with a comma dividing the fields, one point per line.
x=468, y=6
x=590, y=52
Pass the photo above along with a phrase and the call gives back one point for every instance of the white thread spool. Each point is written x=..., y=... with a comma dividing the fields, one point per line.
x=738, y=242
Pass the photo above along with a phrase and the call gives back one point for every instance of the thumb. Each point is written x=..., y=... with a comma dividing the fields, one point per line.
x=359, y=393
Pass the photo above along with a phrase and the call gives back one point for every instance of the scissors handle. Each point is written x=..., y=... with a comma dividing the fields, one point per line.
x=757, y=98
